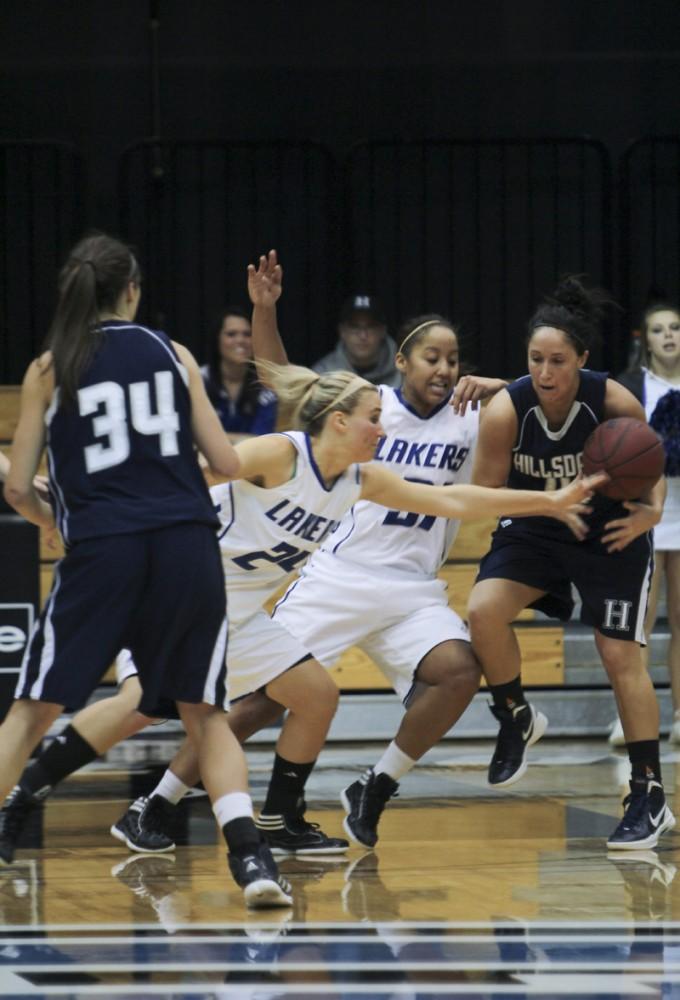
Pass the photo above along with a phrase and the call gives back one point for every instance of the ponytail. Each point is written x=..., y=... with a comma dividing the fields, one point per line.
x=306, y=398
x=95, y=275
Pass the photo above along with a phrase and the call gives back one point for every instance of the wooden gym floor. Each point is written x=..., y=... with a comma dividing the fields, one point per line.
x=468, y=893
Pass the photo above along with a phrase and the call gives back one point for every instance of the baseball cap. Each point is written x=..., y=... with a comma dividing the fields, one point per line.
x=365, y=304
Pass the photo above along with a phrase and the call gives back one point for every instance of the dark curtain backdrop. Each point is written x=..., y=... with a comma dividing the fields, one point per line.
x=103, y=76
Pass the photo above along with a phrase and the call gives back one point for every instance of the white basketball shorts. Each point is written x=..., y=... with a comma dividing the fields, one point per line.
x=395, y=619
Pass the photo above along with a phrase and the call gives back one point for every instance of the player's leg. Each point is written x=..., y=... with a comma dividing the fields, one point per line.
x=646, y=814
x=614, y=589
x=444, y=683
x=616, y=736
x=311, y=698
x=224, y=774
x=93, y=731
x=147, y=825
x=493, y=606
x=24, y=726
x=672, y=560
x=179, y=648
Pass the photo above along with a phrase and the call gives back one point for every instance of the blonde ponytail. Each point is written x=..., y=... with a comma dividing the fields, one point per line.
x=306, y=397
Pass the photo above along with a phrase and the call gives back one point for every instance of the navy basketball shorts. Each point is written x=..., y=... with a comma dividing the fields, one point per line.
x=159, y=593
x=613, y=587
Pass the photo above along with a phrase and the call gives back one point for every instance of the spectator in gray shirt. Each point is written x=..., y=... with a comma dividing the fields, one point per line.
x=363, y=343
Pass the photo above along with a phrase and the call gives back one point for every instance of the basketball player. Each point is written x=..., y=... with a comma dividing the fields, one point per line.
x=373, y=582
x=296, y=487
x=532, y=437
x=120, y=408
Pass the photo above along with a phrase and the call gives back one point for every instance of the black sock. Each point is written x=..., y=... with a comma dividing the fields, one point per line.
x=644, y=761
x=508, y=695
x=286, y=787
x=241, y=835
x=66, y=753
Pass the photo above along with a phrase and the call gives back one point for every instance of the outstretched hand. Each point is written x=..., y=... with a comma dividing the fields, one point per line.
x=265, y=283
x=470, y=389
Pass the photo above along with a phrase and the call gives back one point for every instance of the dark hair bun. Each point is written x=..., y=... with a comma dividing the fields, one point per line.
x=575, y=309
x=585, y=303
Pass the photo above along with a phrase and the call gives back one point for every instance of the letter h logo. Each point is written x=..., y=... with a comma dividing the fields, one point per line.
x=616, y=615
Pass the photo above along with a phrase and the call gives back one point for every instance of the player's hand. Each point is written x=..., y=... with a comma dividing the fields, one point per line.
x=621, y=532
x=41, y=487
x=265, y=283
x=571, y=502
x=470, y=389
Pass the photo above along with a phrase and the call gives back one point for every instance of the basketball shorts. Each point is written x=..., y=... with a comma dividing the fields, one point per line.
x=159, y=594
x=613, y=587
x=395, y=619
x=258, y=651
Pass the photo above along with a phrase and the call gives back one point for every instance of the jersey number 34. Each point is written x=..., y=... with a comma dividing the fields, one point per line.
x=105, y=403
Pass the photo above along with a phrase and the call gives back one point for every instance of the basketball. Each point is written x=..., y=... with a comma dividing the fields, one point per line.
x=630, y=452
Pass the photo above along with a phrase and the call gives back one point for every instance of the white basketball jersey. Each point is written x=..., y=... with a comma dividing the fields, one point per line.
x=437, y=449
x=266, y=534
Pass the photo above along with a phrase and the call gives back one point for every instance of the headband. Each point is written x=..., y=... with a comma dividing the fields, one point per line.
x=429, y=322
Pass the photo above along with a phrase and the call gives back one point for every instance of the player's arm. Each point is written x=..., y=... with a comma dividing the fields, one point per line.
x=471, y=503
x=264, y=288
x=267, y=461
x=497, y=434
x=646, y=512
x=28, y=445
x=209, y=435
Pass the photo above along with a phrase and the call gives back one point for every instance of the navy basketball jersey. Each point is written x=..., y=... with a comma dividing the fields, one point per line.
x=545, y=459
x=122, y=459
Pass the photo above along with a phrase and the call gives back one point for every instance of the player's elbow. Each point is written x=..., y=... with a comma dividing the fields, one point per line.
x=226, y=464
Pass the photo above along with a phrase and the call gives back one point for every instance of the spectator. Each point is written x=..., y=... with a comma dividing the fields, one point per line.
x=244, y=406
x=364, y=345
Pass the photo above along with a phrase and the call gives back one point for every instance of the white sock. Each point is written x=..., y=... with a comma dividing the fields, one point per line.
x=171, y=788
x=394, y=762
x=234, y=805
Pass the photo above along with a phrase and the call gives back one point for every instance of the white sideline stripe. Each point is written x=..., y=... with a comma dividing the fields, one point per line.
x=300, y=938
x=352, y=966
x=538, y=926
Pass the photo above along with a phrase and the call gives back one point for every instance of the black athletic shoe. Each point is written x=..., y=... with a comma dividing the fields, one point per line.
x=13, y=816
x=645, y=818
x=364, y=801
x=256, y=873
x=521, y=727
x=288, y=835
x=143, y=827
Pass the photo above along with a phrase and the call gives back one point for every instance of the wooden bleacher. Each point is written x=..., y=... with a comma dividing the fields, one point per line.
x=542, y=645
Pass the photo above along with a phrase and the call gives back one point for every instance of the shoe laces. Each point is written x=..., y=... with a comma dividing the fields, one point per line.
x=511, y=722
x=374, y=798
x=156, y=814
x=298, y=824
